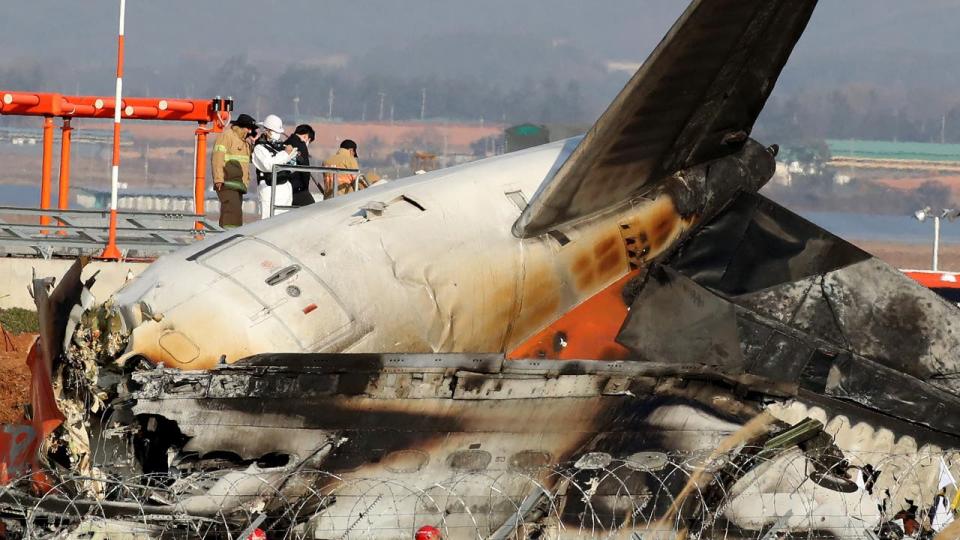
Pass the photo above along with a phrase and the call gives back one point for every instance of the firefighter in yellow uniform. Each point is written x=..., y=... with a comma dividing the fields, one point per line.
x=231, y=169
x=345, y=158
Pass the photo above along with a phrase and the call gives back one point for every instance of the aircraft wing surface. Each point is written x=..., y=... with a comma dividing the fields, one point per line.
x=695, y=99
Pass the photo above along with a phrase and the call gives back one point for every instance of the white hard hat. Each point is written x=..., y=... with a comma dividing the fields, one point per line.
x=273, y=123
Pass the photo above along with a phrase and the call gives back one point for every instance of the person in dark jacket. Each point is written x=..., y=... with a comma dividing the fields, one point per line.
x=301, y=138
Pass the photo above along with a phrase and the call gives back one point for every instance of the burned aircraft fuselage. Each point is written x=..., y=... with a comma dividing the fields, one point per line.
x=354, y=274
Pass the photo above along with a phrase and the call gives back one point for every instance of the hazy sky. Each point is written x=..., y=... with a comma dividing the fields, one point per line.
x=854, y=33
x=906, y=46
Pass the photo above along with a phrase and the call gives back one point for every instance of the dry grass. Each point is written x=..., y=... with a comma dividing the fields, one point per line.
x=913, y=256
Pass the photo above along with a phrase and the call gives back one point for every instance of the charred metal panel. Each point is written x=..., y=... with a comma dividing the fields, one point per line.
x=754, y=339
x=881, y=388
x=767, y=260
x=367, y=363
x=760, y=291
x=251, y=410
x=890, y=318
x=695, y=99
x=54, y=305
x=674, y=318
x=782, y=357
x=755, y=244
x=483, y=387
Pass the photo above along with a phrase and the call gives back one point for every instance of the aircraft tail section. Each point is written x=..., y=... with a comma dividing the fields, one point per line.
x=696, y=98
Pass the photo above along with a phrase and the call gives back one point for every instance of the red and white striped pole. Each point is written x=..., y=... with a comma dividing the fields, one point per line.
x=111, y=251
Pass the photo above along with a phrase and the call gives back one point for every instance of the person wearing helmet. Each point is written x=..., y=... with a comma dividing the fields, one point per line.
x=428, y=532
x=269, y=150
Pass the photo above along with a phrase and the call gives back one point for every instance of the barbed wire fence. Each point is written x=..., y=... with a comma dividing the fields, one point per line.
x=744, y=494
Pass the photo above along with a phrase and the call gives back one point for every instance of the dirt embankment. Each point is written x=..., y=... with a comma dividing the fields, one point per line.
x=914, y=256
x=14, y=377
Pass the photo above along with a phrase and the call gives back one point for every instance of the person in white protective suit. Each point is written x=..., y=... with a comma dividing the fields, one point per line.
x=268, y=151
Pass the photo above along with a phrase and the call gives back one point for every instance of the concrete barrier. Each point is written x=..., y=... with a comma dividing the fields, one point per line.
x=16, y=275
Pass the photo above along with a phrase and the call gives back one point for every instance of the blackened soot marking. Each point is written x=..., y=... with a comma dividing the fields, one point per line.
x=582, y=264
x=905, y=315
x=606, y=245
x=608, y=263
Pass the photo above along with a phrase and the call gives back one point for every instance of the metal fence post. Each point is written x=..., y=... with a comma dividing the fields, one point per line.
x=273, y=190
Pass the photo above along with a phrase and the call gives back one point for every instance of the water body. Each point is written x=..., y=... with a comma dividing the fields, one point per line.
x=875, y=227
x=883, y=227
x=17, y=195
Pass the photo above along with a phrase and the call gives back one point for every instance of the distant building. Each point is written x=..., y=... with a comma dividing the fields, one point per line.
x=782, y=176
x=529, y=135
x=20, y=136
x=526, y=136
x=153, y=200
x=903, y=156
